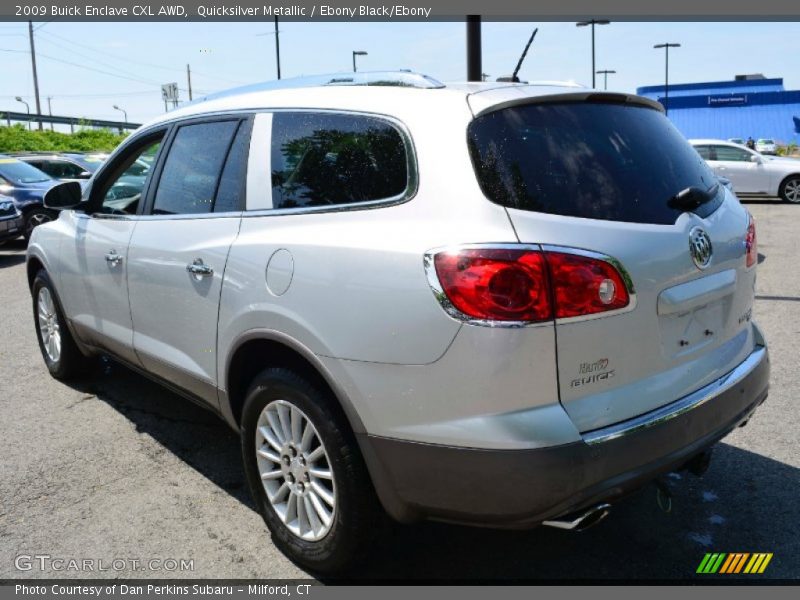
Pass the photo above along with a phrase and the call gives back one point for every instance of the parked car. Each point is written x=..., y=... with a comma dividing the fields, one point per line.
x=498, y=304
x=10, y=220
x=68, y=166
x=736, y=141
x=26, y=185
x=749, y=171
x=766, y=146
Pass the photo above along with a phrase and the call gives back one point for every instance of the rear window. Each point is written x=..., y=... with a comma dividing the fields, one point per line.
x=590, y=160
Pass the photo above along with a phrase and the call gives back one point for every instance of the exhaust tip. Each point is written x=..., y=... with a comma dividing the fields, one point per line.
x=580, y=521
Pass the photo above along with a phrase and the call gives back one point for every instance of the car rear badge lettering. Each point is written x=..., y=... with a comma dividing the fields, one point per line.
x=593, y=372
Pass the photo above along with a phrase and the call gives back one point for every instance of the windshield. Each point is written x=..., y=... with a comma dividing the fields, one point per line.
x=765, y=142
x=590, y=160
x=20, y=173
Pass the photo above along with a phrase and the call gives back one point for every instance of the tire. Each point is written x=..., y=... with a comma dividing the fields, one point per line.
x=355, y=513
x=60, y=352
x=33, y=218
x=790, y=189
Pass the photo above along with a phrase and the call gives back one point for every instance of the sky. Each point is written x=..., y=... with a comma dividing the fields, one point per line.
x=87, y=68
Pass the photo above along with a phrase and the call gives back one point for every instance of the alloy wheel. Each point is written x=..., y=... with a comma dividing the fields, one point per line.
x=49, y=329
x=295, y=470
x=792, y=190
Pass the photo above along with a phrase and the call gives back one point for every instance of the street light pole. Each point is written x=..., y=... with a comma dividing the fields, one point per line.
x=28, y=108
x=357, y=53
x=666, y=47
x=474, y=66
x=592, y=22
x=605, y=73
x=123, y=111
x=277, y=49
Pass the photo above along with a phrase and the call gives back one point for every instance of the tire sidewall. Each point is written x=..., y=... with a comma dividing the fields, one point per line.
x=335, y=550
x=38, y=210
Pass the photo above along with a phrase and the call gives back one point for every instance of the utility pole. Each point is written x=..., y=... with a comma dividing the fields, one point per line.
x=50, y=111
x=592, y=22
x=605, y=73
x=474, y=69
x=666, y=47
x=277, y=49
x=35, y=77
x=189, y=80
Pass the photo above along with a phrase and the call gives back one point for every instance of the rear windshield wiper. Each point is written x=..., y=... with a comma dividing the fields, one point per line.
x=692, y=197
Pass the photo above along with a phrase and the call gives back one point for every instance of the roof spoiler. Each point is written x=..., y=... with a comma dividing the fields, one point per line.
x=578, y=96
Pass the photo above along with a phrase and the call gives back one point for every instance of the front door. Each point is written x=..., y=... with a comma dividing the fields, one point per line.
x=94, y=273
x=179, y=250
x=747, y=176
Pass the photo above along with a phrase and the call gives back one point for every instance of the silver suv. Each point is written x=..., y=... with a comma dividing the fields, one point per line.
x=498, y=304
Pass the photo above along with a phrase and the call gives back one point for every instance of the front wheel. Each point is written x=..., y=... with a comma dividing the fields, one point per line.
x=60, y=352
x=790, y=190
x=305, y=472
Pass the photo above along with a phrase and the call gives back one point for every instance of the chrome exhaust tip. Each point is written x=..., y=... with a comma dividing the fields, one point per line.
x=582, y=520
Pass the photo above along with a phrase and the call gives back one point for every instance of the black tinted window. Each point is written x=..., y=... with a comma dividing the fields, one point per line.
x=326, y=159
x=731, y=153
x=189, y=180
x=592, y=160
x=230, y=195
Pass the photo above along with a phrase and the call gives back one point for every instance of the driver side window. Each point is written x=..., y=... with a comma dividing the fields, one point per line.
x=122, y=191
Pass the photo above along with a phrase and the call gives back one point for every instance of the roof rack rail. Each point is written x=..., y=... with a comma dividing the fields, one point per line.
x=402, y=78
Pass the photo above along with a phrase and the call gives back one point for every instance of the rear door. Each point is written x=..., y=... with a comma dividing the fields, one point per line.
x=179, y=250
x=602, y=177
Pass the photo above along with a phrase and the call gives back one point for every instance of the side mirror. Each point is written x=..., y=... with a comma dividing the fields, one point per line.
x=63, y=196
x=756, y=159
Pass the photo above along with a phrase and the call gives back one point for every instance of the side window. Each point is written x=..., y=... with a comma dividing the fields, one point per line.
x=192, y=169
x=704, y=152
x=63, y=169
x=732, y=154
x=230, y=193
x=321, y=159
x=122, y=191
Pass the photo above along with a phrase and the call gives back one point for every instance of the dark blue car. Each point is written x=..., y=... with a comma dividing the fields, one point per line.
x=26, y=186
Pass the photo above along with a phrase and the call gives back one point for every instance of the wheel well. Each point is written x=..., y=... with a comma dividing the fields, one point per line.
x=254, y=356
x=34, y=266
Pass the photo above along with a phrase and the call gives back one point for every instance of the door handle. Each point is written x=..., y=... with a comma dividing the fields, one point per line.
x=199, y=268
x=113, y=258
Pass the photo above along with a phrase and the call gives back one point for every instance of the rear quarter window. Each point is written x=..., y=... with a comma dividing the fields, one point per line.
x=327, y=159
x=591, y=160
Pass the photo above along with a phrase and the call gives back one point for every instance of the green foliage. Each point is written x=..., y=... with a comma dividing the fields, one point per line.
x=18, y=139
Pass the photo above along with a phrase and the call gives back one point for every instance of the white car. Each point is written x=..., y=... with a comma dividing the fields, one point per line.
x=750, y=172
x=766, y=146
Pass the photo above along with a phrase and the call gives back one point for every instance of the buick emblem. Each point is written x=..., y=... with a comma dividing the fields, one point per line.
x=700, y=247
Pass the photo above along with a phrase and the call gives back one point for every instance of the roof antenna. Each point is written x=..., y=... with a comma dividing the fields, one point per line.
x=514, y=78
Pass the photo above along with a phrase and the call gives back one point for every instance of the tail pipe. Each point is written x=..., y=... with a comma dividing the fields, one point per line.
x=581, y=520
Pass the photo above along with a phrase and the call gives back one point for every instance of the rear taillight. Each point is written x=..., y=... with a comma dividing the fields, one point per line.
x=496, y=284
x=584, y=286
x=750, y=243
x=527, y=284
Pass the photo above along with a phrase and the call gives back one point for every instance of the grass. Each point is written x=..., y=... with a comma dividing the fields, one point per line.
x=18, y=138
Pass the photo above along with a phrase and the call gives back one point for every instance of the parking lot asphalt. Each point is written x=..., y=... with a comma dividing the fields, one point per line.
x=119, y=468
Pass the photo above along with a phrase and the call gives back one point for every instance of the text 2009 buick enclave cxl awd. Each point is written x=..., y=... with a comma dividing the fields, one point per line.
x=499, y=304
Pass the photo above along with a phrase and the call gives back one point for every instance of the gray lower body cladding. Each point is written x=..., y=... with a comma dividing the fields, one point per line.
x=521, y=488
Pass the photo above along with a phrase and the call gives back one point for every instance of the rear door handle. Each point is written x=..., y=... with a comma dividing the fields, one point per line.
x=113, y=258
x=199, y=268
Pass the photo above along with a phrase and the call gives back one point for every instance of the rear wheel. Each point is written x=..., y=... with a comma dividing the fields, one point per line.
x=790, y=190
x=60, y=352
x=34, y=218
x=305, y=472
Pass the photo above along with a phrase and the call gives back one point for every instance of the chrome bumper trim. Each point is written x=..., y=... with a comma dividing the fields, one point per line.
x=685, y=404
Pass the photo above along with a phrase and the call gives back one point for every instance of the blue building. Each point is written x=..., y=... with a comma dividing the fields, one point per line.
x=749, y=106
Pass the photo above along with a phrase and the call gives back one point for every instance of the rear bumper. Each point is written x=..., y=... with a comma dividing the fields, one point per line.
x=10, y=228
x=520, y=488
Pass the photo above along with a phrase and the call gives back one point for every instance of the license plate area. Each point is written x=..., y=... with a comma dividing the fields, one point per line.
x=690, y=331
